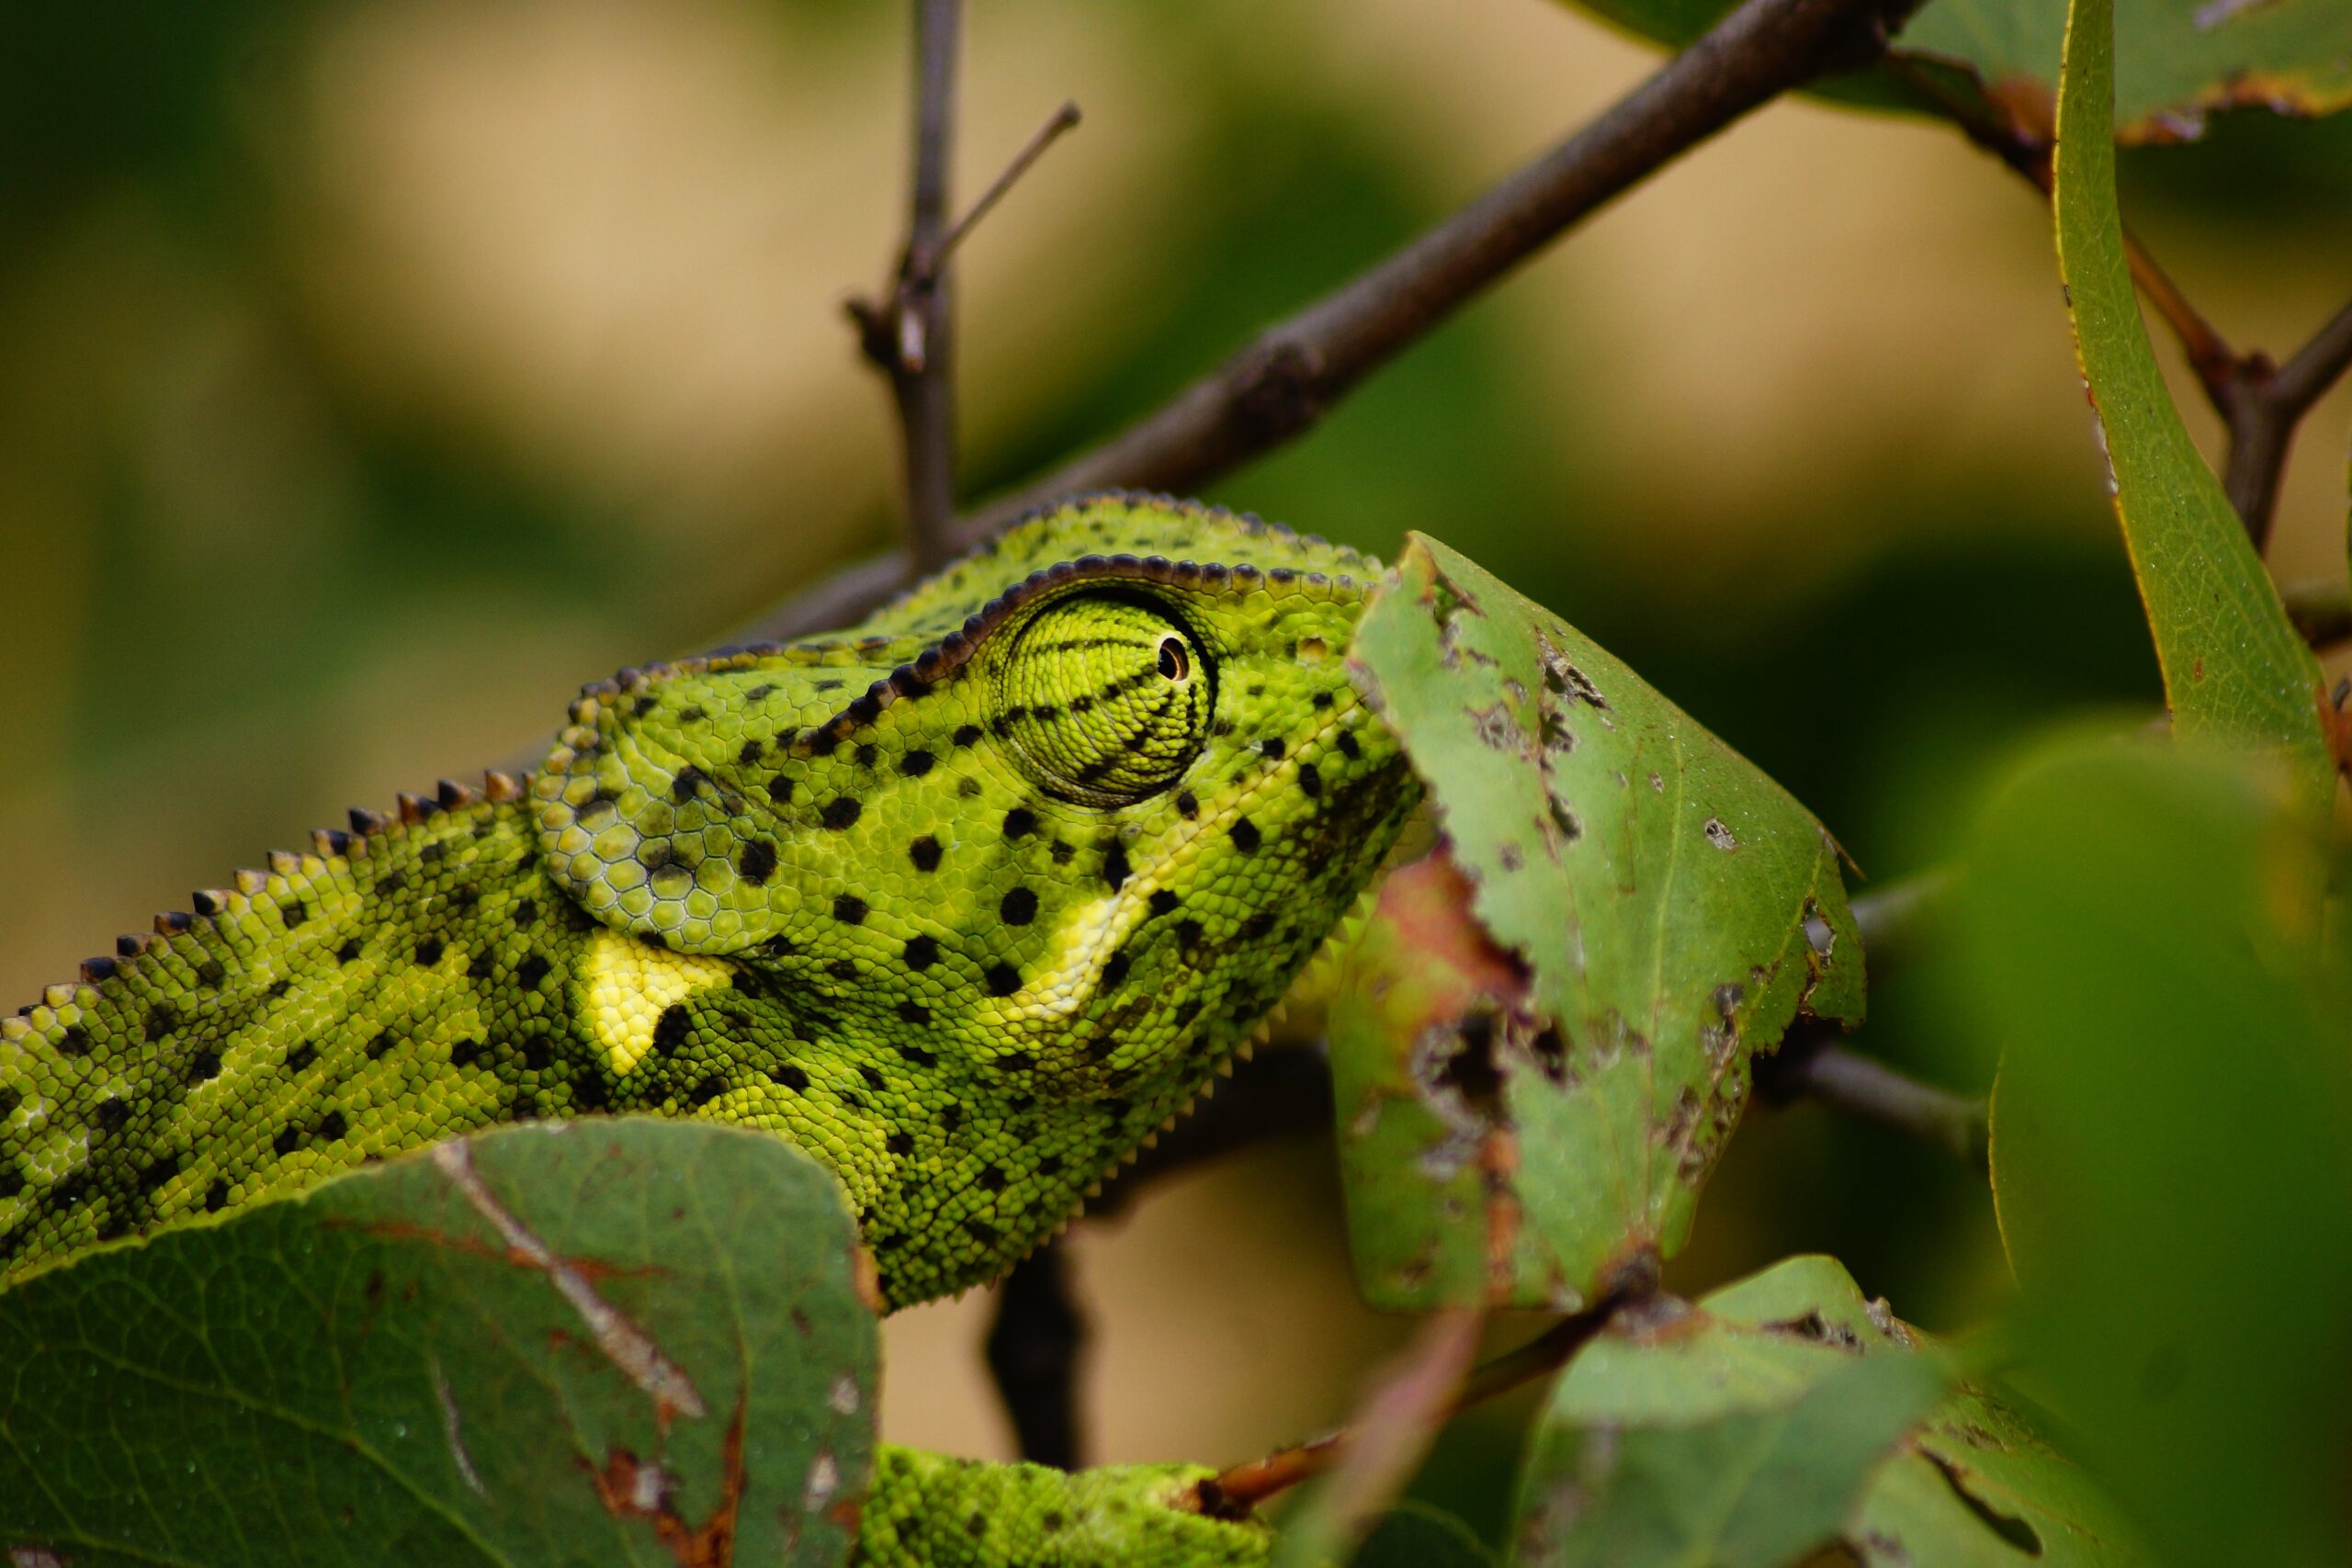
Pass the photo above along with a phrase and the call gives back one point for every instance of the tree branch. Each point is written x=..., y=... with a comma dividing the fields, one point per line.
x=1033, y=1352
x=2260, y=403
x=1237, y=1490
x=1810, y=1064
x=909, y=337
x=1283, y=384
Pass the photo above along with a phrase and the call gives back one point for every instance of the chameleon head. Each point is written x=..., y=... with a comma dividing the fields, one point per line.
x=1059, y=826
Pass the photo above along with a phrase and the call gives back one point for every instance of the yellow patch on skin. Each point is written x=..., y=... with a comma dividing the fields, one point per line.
x=629, y=985
x=1072, y=971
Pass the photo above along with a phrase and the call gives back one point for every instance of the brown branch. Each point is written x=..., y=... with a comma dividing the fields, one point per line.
x=1238, y=1490
x=909, y=335
x=2260, y=403
x=2264, y=407
x=1034, y=1346
x=1282, y=385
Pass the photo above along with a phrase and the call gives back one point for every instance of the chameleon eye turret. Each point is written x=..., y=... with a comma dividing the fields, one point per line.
x=1105, y=699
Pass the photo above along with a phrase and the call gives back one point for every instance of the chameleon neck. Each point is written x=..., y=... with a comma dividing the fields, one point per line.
x=404, y=984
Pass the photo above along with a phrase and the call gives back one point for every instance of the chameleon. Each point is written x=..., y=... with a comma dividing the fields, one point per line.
x=967, y=901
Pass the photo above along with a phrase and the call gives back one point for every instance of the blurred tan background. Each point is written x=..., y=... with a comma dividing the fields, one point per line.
x=372, y=374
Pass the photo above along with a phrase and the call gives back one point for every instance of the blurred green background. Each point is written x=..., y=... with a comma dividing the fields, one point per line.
x=373, y=374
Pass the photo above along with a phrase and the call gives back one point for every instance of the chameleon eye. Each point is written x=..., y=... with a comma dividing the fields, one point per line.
x=1105, y=700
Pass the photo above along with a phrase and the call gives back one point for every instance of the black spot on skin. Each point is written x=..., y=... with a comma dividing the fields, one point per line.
x=537, y=1055
x=951, y=1117
x=465, y=1053
x=1115, y=866
x=1187, y=805
x=73, y=1041
x=1310, y=781
x=1019, y=822
x=288, y=1139
x=1348, y=746
x=792, y=1079
x=278, y=988
x=1190, y=933
x=1272, y=747
x=915, y=1013
x=914, y=765
x=204, y=1067
x=688, y=780
x=925, y=852
x=693, y=714
x=1064, y=852
x=293, y=912
x=747, y=753
x=1050, y=1166
x=873, y=1076
x=375, y=1049
x=1257, y=926
x=756, y=861
x=980, y=1230
x=1185, y=1014
x=842, y=969
x=428, y=952
x=843, y=811
x=1245, y=835
x=1003, y=979
x=216, y=1197
x=969, y=789
x=111, y=1114
x=161, y=1021
x=526, y=910
x=967, y=735
x=900, y=1144
x=1115, y=968
x=484, y=965
x=670, y=1030
x=780, y=789
x=710, y=1089
x=1321, y=700
x=991, y=1178
x=347, y=952
x=589, y=1092
x=332, y=1128
x=923, y=952
x=1164, y=900
x=865, y=754
x=209, y=973
x=300, y=1057
x=1019, y=907
x=531, y=971
x=12, y=1181
x=849, y=908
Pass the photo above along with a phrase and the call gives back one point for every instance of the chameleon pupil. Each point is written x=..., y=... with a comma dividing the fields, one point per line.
x=1108, y=699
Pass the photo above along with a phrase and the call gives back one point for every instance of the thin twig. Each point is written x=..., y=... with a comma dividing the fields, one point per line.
x=1279, y=387
x=2321, y=609
x=2260, y=403
x=1247, y=1484
x=1062, y=120
x=1811, y=1065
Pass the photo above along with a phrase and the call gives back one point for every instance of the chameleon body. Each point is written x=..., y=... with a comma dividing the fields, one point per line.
x=965, y=901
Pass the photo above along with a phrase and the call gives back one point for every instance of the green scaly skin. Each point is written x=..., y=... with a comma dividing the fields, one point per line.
x=965, y=901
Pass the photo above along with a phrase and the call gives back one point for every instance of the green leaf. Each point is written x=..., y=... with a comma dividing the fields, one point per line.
x=618, y=1341
x=2177, y=60
x=1539, y=1058
x=2136, y=931
x=2235, y=671
x=1785, y=1417
x=1414, y=1535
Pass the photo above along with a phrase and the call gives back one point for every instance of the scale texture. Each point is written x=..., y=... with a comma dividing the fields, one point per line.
x=965, y=901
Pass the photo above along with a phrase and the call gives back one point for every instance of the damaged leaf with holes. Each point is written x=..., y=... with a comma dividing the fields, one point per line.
x=614, y=1342
x=1785, y=1419
x=1543, y=1043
